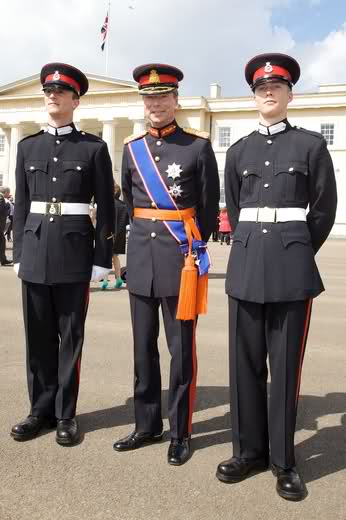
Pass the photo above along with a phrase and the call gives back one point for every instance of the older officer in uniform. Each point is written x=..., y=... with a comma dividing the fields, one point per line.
x=56, y=251
x=169, y=179
x=271, y=176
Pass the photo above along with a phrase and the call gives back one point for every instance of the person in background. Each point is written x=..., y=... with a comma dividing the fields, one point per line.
x=4, y=213
x=224, y=228
x=119, y=239
x=8, y=232
x=215, y=233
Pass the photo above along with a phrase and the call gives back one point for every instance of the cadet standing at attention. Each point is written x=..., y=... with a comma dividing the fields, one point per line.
x=170, y=184
x=271, y=177
x=56, y=250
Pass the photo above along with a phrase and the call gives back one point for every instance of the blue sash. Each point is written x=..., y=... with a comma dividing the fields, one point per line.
x=158, y=193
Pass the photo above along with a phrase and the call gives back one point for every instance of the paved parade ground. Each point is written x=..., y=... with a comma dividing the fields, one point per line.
x=41, y=480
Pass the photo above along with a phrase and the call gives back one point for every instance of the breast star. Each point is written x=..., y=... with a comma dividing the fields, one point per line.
x=175, y=191
x=174, y=171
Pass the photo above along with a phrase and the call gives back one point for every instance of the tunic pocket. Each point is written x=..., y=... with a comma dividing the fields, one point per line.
x=291, y=182
x=78, y=246
x=298, y=260
x=238, y=258
x=250, y=185
x=32, y=231
x=73, y=172
x=36, y=173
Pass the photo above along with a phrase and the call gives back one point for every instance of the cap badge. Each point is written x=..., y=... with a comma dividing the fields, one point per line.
x=268, y=67
x=174, y=171
x=56, y=75
x=154, y=77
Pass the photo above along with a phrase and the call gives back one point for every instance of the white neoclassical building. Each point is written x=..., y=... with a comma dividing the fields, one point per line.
x=113, y=109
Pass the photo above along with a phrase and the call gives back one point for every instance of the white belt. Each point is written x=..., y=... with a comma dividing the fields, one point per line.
x=272, y=214
x=59, y=208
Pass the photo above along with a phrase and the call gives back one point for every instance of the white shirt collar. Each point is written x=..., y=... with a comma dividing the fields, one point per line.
x=63, y=130
x=272, y=129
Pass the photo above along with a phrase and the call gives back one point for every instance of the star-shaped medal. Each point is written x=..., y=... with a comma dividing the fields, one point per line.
x=174, y=171
x=175, y=191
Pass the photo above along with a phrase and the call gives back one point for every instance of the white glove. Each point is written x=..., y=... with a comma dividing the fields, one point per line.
x=98, y=273
x=16, y=268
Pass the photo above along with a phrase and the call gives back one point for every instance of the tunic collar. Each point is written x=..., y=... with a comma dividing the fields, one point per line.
x=273, y=129
x=163, y=132
x=62, y=130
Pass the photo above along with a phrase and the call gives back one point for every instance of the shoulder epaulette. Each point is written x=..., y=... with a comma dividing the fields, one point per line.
x=91, y=136
x=198, y=133
x=32, y=135
x=310, y=132
x=242, y=138
x=134, y=137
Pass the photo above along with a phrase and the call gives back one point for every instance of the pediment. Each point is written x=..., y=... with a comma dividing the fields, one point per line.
x=31, y=86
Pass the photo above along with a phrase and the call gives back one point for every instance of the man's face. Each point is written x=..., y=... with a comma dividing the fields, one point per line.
x=60, y=103
x=272, y=99
x=160, y=109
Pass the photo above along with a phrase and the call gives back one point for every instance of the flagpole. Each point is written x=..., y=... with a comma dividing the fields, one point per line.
x=108, y=35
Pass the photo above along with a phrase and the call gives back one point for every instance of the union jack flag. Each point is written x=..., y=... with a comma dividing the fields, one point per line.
x=104, y=32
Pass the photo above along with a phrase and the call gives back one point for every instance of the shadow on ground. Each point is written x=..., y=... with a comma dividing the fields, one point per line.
x=320, y=455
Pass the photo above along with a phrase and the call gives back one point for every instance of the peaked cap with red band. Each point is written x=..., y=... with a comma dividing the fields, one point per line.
x=270, y=67
x=157, y=78
x=64, y=76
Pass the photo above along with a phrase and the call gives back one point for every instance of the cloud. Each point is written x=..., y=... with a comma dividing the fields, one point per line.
x=324, y=60
x=211, y=40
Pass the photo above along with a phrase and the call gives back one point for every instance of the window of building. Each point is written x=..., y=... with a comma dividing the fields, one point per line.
x=2, y=143
x=224, y=136
x=1, y=179
x=327, y=130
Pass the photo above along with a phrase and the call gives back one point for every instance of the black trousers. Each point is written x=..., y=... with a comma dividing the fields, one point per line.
x=180, y=336
x=54, y=318
x=279, y=331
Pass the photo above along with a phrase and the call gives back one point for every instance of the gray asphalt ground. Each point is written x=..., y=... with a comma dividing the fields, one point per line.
x=41, y=480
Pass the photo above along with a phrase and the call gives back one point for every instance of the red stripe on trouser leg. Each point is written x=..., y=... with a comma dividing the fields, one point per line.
x=192, y=390
x=302, y=350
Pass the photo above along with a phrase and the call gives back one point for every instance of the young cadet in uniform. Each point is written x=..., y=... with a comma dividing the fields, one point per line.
x=170, y=181
x=56, y=250
x=271, y=176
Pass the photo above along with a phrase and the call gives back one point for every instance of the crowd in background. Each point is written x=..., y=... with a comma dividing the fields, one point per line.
x=6, y=222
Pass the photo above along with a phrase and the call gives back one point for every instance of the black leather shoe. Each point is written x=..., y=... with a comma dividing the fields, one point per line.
x=67, y=432
x=178, y=451
x=289, y=485
x=235, y=469
x=31, y=427
x=136, y=440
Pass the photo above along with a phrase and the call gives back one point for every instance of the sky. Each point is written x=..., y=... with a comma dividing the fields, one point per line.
x=210, y=40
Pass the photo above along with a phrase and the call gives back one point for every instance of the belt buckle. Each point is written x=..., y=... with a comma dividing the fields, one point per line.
x=53, y=208
x=266, y=214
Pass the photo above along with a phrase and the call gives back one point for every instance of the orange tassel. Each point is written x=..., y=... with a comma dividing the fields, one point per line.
x=202, y=294
x=188, y=290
